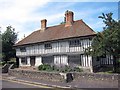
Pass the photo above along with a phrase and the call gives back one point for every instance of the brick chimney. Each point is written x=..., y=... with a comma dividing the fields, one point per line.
x=43, y=24
x=69, y=18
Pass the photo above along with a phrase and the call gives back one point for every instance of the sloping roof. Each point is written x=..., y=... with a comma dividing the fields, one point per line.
x=79, y=28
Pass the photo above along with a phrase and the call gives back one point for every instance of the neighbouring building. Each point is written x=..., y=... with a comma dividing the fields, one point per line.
x=62, y=44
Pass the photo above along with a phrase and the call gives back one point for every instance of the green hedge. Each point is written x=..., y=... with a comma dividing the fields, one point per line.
x=46, y=67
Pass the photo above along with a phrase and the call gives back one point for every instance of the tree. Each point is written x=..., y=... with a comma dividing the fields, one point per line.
x=9, y=38
x=107, y=42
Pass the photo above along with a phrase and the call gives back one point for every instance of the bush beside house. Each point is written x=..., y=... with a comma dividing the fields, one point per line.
x=53, y=68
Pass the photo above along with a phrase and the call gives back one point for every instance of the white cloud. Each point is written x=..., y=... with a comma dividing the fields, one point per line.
x=18, y=12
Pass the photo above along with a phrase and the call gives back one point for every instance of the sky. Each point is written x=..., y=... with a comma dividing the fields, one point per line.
x=25, y=15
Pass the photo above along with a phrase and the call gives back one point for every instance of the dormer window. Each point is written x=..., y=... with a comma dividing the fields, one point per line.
x=48, y=46
x=23, y=49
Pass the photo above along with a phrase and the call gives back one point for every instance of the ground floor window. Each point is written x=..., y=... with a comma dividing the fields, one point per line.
x=74, y=60
x=81, y=60
x=47, y=59
x=24, y=60
x=71, y=60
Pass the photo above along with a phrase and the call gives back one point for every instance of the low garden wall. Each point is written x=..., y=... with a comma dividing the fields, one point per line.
x=55, y=76
x=96, y=76
x=48, y=76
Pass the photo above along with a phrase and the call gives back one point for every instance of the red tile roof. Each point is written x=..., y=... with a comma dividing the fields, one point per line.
x=79, y=28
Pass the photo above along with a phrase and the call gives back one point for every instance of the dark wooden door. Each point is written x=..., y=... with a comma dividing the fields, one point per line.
x=32, y=60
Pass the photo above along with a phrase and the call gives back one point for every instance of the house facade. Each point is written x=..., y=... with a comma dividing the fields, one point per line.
x=59, y=45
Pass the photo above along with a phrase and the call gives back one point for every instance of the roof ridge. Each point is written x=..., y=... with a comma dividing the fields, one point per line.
x=62, y=24
x=57, y=32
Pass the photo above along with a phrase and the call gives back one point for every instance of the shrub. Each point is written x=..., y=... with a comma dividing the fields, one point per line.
x=118, y=61
x=2, y=63
x=40, y=67
x=11, y=62
x=77, y=69
x=55, y=68
x=45, y=67
x=66, y=68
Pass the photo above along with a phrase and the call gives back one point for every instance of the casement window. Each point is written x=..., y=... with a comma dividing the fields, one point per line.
x=74, y=59
x=23, y=49
x=24, y=60
x=47, y=59
x=73, y=43
x=48, y=46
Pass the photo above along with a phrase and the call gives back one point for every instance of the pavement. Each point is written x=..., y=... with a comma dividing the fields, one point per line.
x=83, y=83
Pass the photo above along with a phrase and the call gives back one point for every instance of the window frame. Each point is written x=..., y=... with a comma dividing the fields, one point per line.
x=48, y=46
x=74, y=43
x=23, y=49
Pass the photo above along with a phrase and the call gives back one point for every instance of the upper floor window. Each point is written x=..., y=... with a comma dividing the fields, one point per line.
x=48, y=46
x=23, y=49
x=73, y=43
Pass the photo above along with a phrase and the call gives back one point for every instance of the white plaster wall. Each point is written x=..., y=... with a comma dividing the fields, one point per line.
x=20, y=64
x=86, y=61
x=28, y=62
x=38, y=60
x=61, y=60
x=57, y=60
x=89, y=61
x=57, y=47
x=64, y=60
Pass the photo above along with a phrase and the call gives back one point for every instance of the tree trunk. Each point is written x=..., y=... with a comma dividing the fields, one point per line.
x=114, y=64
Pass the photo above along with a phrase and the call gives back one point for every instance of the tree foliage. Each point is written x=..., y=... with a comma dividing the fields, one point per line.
x=9, y=38
x=107, y=42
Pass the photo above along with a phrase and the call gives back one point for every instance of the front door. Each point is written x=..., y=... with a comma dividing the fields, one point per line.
x=32, y=60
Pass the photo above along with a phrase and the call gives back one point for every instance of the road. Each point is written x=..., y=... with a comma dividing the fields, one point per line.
x=15, y=84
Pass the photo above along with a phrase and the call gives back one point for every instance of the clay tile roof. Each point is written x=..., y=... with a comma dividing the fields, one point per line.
x=79, y=28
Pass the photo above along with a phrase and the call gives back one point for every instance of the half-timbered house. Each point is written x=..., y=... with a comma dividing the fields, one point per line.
x=62, y=44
